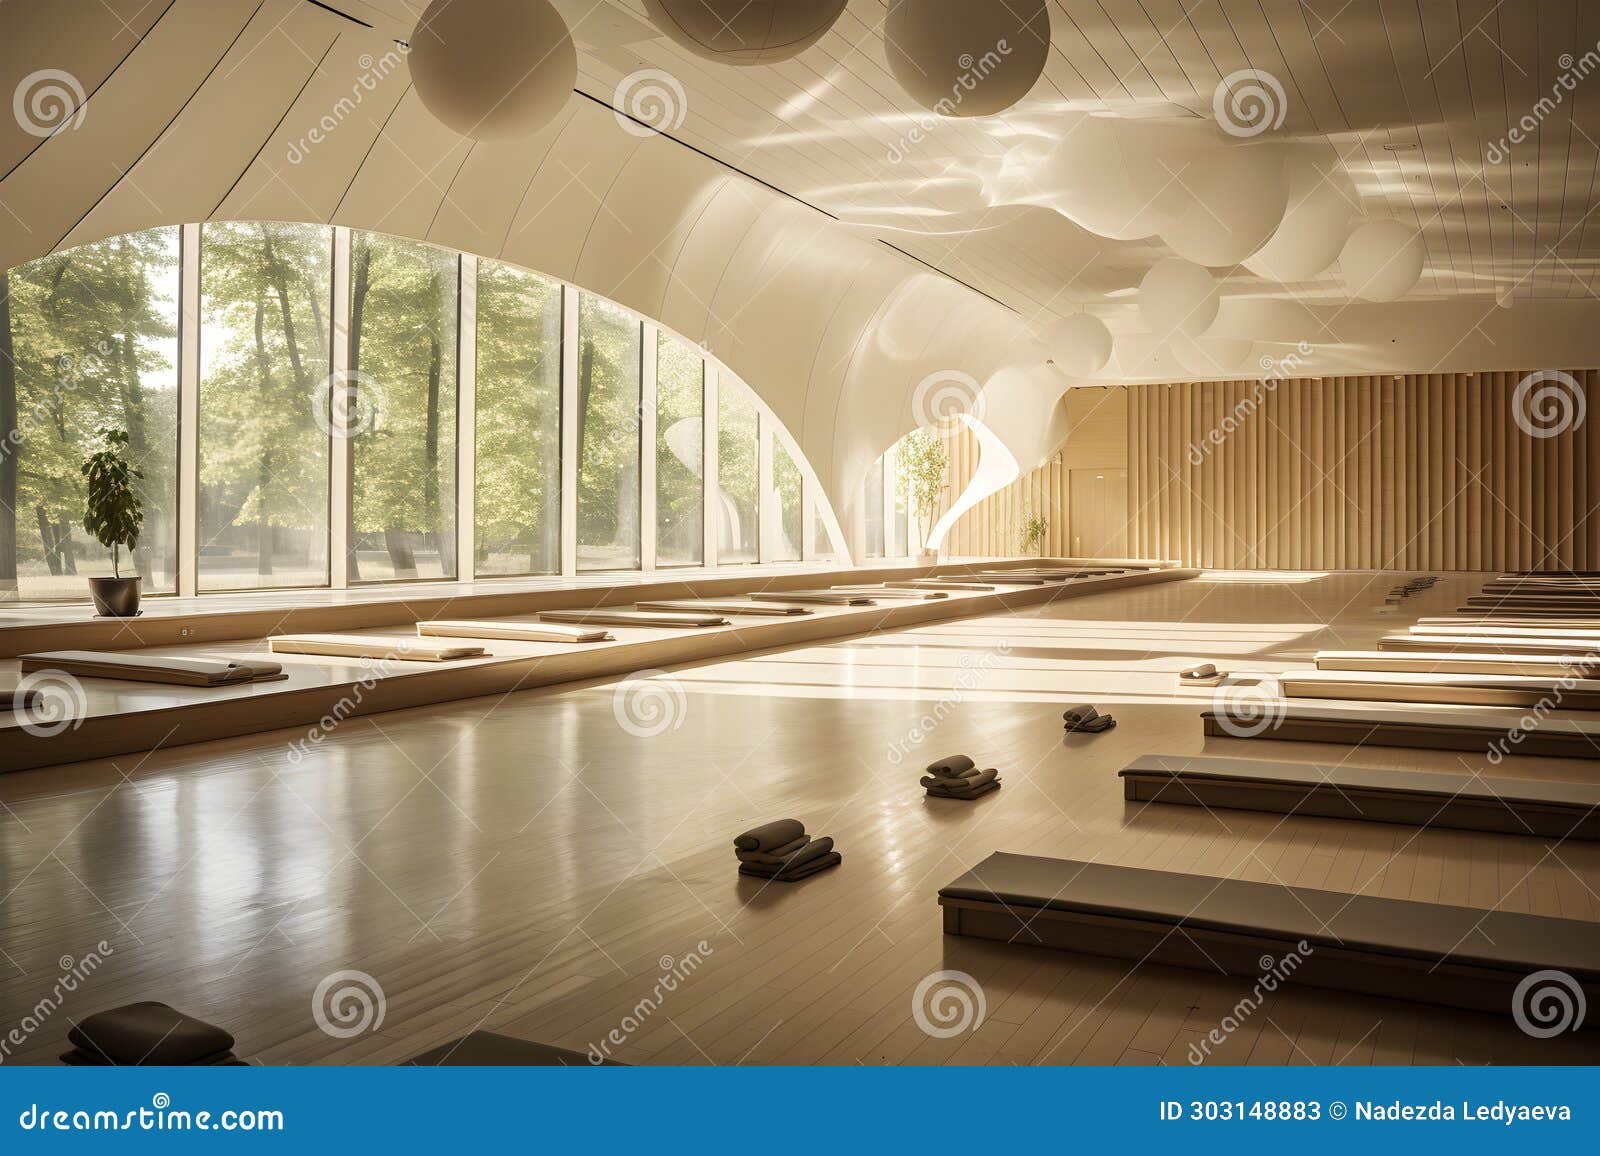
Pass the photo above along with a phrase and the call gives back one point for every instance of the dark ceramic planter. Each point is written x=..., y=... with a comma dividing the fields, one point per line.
x=115, y=597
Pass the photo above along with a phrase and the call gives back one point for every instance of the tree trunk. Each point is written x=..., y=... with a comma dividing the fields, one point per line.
x=400, y=555
x=66, y=547
x=47, y=539
x=8, y=448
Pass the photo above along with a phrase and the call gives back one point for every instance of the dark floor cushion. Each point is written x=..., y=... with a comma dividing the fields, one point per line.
x=492, y=1050
x=831, y=859
x=770, y=836
x=149, y=1033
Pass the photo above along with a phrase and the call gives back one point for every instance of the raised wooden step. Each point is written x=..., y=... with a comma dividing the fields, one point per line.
x=1428, y=730
x=1547, y=808
x=1428, y=952
x=1444, y=689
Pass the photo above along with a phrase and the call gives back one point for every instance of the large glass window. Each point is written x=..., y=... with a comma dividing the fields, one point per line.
x=872, y=511
x=787, y=513
x=738, y=483
x=403, y=322
x=518, y=502
x=88, y=341
x=608, y=436
x=263, y=494
x=680, y=450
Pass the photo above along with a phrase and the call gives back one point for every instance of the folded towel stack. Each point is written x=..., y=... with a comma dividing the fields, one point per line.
x=782, y=851
x=1206, y=674
x=148, y=1034
x=958, y=777
x=1087, y=719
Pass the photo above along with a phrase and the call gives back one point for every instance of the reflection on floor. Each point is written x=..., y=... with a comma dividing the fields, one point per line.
x=555, y=865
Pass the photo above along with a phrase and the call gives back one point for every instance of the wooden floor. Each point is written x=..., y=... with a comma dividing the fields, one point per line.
x=529, y=865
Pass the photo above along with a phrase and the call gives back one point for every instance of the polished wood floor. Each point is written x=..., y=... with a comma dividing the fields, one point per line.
x=528, y=864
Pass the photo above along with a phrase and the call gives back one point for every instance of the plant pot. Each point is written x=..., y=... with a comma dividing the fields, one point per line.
x=115, y=597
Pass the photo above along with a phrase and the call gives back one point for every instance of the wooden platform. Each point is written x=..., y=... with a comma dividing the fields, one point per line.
x=1443, y=689
x=1555, y=738
x=1488, y=644
x=1546, y=808
x=117, y=717
x=1427, y=952
x=1456, y=662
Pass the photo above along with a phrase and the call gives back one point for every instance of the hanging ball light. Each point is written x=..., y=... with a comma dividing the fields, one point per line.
x=493, y=69
x=967, y=57
x=1382, y=261
x=1080, y=345
x=745, y=31
x=1178, y=297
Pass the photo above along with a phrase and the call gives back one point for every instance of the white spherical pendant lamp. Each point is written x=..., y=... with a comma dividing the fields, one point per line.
x=967, y=57
x=1382, y=261
x=1080, y=345
x=1178, y=297
x=745, y=31
x=493, y=69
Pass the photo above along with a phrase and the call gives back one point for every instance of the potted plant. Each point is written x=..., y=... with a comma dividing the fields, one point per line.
x=924, y=462
x=113, y=517
x=1034, y=528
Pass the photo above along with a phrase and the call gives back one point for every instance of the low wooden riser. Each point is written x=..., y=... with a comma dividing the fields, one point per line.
x=1345, y=802
x=200, y=716
x=1201, y=949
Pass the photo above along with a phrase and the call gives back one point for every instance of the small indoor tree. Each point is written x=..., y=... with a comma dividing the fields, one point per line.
x=923, y=462
x=113, y=516
x=1034, y=528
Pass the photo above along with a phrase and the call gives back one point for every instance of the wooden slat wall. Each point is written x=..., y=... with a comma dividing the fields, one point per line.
x=1423, y=472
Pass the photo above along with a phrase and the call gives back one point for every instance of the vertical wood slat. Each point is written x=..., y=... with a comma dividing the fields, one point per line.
x=1411, y=472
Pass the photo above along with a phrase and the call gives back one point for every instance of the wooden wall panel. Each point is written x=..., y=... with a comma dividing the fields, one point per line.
x=1422, y=472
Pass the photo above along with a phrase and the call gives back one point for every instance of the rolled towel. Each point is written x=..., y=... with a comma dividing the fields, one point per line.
x=952, y=765
x=976, y=792
x=1080, y=715
x=151, y=1034
x=1204, y=670
x=770, y=836
x=812, y=850
x=1101, y=722
x=793, y=874
x=978, y=779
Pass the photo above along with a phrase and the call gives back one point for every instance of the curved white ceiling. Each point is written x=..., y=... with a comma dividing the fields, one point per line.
x=235, y=109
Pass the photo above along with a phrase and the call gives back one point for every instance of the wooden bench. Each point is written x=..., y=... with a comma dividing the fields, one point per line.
x=1457, y=662
x=1428, y=952
x=1545, y=808
x=1486, y=644
x=1427, y=730
x=1443, y=689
